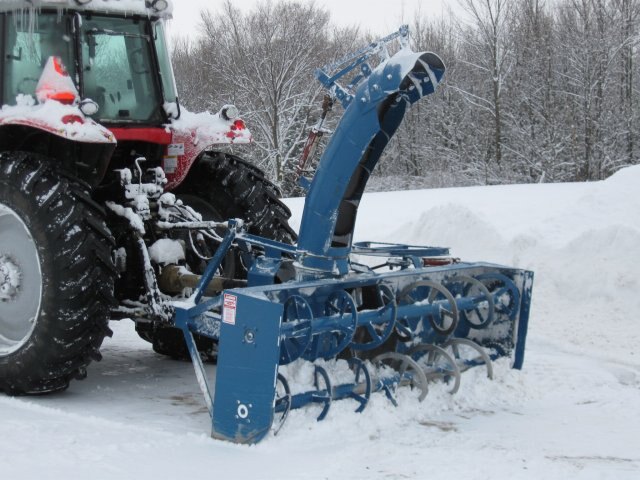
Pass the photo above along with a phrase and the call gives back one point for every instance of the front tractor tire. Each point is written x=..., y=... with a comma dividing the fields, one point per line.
x=56, y=276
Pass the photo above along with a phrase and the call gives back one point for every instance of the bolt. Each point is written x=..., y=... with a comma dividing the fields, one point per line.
x=249, y=336
x=243, y=411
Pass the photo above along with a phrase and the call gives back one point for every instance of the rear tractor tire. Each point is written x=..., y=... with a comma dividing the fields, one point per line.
x=238, y=189
x=56, y=276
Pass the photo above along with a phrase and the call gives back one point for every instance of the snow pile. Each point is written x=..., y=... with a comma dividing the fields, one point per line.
x=210, y=129
x=582, y=240
x=135, y=221
x=166, y=252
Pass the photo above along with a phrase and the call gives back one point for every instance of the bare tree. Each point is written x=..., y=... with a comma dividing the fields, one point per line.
x=535, y=90
x=488, y=50
x=266, y=60
x=627, y=14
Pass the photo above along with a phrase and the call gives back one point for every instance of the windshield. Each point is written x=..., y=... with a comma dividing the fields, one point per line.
x=27, y=47
x=117, y=70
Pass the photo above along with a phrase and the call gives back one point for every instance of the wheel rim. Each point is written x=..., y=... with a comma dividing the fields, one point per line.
x=20, y=282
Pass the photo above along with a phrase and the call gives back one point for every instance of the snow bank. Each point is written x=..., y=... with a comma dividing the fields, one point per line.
x=582, y=240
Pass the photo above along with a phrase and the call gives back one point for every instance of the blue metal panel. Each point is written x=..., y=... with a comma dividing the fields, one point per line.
x=263, y=271
x=523, y=320
x=348, y=143
x=247, y=368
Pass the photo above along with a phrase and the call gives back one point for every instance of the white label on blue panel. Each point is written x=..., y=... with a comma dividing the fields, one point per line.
x=229, y=311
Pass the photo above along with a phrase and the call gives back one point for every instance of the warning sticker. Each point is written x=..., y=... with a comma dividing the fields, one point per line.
x=175, y=150
x=229, y=310
x=170, y=164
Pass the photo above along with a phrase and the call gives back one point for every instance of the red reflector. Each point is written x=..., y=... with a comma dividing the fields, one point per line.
x=66, y=98
x=438, y=262
x=59, y=66
x=67, y=119
x=239, y=125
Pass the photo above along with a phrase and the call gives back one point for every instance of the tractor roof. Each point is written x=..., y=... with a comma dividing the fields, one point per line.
x=151, y=8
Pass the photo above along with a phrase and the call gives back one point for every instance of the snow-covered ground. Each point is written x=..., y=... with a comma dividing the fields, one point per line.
x=572, y=413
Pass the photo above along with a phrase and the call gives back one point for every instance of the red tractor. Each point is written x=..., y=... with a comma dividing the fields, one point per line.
x=94, y=146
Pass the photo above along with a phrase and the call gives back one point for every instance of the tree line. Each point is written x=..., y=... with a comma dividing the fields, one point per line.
x=535, y=90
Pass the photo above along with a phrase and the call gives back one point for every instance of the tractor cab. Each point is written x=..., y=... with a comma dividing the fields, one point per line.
x=118, y=59
x=119, y=87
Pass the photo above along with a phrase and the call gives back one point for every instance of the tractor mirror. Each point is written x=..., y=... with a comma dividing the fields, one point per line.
x=172, y=109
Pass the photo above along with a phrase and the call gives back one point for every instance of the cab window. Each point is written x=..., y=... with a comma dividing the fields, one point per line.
x=29, y=42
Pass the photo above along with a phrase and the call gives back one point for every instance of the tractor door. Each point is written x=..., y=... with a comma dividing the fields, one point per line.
x=118, y=70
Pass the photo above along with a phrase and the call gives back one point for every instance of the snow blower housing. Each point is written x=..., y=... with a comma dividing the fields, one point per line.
x=115, y=204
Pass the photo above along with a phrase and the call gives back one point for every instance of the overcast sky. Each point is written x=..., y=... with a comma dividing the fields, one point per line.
x=379, y=16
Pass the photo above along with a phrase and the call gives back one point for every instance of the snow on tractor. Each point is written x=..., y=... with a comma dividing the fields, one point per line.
x=115, y=204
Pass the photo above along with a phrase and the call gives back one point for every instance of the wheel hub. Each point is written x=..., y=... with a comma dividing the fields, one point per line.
x=20, y=282
x=10, y=276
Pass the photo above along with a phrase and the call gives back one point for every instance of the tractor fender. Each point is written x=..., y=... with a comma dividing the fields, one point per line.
x=65, y=121
x=61, y=132
x=194, y=133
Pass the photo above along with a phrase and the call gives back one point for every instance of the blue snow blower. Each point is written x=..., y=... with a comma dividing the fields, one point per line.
x=415, y=316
